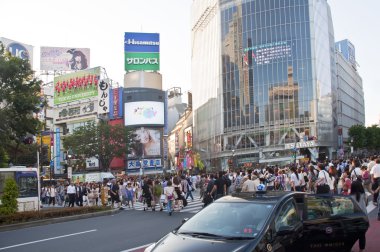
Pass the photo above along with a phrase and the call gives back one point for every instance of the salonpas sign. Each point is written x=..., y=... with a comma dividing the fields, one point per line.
x=142, y=51
x=76, y=86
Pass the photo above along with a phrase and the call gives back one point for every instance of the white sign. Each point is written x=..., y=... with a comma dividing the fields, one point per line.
x=92, y=163
x=69, y=172
x=132, y=164
x=17, y=49
x=90, y=177
x=64, y=58
x=144, y=113
x=104, y=97
x=75, y=111
x=307, y=144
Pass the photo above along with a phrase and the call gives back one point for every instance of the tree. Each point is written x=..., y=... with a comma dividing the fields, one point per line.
x=373, y=137
x=9, y=197
x=357, y=134
x=19, y=99
x=102, y=140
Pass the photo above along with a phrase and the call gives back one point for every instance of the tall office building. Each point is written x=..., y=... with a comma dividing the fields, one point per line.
x=350, y=95
x=263, y=80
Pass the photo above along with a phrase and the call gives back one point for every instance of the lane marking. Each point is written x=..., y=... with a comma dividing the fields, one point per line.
x=47, y=239
x=136, y=248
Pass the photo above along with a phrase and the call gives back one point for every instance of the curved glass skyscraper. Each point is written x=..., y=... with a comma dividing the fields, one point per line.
x=264, y=81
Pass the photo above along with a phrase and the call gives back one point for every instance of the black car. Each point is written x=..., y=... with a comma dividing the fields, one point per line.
x=270, y=221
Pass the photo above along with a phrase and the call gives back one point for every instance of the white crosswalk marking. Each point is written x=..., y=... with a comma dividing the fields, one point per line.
x=192, y=206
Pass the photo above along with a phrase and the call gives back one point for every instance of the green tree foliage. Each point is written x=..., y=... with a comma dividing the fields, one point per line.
x=4, y=158
x=373, y=137
x=102, y=140
x=357, y=133
x=19, y=99
x=9, y=197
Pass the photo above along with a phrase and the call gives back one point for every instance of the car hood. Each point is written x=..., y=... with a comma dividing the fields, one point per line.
x=178, y=243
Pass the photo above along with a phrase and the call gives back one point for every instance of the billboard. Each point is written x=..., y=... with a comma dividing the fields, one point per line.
x=116, y=103
x=269, y=52
x=17, y=49
x=144, y=113
x=64, y=58
x=76, y=86
x=146, y=142
x=73, y=112
x=142, y=51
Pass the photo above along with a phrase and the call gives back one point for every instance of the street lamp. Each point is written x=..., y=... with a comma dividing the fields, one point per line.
x=233, y=159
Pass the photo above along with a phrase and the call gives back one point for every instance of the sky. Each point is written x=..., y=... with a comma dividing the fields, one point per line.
x=100, y=26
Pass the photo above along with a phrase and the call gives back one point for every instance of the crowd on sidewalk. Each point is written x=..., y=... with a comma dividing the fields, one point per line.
x=344, y=177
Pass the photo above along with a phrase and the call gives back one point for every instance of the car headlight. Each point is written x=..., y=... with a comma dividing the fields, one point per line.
x=150, y=247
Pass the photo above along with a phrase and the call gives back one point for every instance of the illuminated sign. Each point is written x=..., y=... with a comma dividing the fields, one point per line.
x=307, y=144
x=143, y=113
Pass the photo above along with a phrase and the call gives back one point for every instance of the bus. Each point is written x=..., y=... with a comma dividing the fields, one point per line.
x=28, y=183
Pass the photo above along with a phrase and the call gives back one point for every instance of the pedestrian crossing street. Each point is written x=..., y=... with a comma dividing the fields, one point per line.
x=192, y=206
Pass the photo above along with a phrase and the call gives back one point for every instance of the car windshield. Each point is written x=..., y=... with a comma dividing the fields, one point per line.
x=234, y=220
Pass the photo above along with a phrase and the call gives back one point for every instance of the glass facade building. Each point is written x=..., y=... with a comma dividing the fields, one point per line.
x=264, y=80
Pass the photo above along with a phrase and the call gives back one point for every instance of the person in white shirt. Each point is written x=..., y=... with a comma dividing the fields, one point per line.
x=250, y=185
x=356, y=172
x=71, y=193
x=52, y=193
x=295, y=180
x=375, y=174
x=169, y=193
x=323, y=180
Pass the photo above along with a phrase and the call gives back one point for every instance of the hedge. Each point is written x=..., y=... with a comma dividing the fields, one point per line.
x=21, y=217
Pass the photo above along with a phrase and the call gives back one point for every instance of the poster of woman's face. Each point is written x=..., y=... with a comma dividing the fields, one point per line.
x=146, y=142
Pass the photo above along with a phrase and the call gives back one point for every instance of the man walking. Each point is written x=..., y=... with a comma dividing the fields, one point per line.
x=71, y=193
x=79, y=194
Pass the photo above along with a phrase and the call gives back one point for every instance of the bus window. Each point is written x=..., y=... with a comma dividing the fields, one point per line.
x=27, y=183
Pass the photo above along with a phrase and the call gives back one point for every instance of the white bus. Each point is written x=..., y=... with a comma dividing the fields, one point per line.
x=28, y=182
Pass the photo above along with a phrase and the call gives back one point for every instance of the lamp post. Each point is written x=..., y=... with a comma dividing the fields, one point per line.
x=233, y=159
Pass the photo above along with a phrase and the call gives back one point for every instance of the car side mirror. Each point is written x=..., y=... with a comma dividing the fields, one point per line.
x=285, y=230
x=184, y=220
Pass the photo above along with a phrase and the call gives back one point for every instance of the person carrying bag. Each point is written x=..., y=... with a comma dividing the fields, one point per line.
x=322, y=182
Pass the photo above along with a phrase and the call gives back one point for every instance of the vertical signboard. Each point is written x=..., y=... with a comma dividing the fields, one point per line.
x=57, y=157
x=103, y=96
x=142, y=51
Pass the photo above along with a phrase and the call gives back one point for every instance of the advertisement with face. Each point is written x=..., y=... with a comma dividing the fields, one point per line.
x=146, y=142
x=64, y=58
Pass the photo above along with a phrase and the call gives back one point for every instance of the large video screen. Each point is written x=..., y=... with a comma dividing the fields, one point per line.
x=144, y=113
x=146, y=142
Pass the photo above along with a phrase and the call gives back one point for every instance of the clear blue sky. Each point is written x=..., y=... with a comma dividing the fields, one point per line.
x=100, y=26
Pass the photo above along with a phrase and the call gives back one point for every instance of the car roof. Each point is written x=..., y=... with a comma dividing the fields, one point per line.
x=261, y=196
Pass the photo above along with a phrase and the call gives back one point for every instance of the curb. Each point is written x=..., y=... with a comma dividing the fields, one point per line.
x=57, y=220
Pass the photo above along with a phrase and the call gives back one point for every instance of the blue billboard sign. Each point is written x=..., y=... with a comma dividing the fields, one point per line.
x=142, y=42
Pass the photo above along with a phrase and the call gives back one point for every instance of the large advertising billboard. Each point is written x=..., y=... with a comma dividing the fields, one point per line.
x=76, y=86
x=146, y=142
x=17, y=49
x=144, y=113
x=64, y=58
x=142, y=51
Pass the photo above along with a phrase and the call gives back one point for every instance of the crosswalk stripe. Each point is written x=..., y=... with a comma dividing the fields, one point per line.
x=192, y=206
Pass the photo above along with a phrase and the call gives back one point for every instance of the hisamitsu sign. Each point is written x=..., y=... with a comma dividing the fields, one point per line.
x=142, y=51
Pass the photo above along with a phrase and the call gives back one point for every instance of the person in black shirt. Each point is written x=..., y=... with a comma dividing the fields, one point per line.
x=220, y=186
x=115, y=193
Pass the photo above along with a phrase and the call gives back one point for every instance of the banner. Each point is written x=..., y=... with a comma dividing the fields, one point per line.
x=142, y=51
x=64, y=58
x=103, y=96
x=76, y=86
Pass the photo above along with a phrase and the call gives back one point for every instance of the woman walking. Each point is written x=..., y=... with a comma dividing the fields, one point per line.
x=169, y=194
x=358, y=194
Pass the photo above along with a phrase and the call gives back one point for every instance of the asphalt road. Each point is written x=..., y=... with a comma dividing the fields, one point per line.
x=122, y=231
